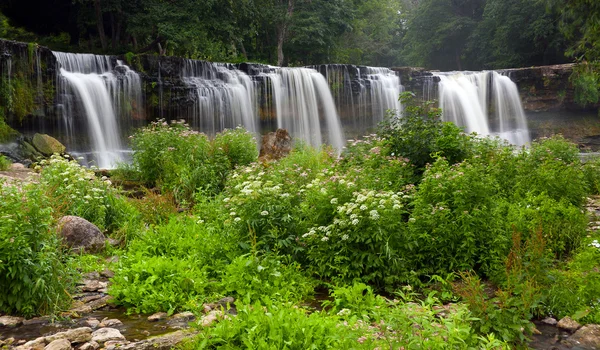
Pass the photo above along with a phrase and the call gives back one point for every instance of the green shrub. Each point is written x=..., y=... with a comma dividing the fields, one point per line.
x=454, y=225
x=365, y=241
x=574, y=291
x=552, y=166
x=33, y=277
x=252, y=279
x=562, y=224
x=280, y=326
x=74, y=190
x=586, y=81
x=372, y=156
x=239, y=146
x=151, y=284
x=420, y=135
x=5, y=163
x=182, y=161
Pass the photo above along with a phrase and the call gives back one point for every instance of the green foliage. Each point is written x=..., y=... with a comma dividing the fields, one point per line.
x=586, y=81
x=574, y=291
x=5, y=163
x=252, y=279
x=6, y=132
x=74, y=190
x=33, y=277
x=279, y=326
x=454, y=225
x=183, y=162
x=365, y=241
x=238, y=145
x=159, y=283
x=420, y=135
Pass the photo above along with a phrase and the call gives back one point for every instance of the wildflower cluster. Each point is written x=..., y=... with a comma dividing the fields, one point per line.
x=76, y=190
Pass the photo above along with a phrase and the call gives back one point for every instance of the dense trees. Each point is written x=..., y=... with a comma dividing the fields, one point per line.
x=438, y=34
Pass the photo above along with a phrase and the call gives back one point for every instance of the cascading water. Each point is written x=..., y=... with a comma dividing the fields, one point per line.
x=363, y=95
x=487, y=103
x=224, y=97
x=92, y=87
x=302, y=99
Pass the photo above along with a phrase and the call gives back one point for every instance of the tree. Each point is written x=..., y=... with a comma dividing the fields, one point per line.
x=438, y=32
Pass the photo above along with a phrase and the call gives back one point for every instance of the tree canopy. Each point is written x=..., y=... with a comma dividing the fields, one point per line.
x=435, y=34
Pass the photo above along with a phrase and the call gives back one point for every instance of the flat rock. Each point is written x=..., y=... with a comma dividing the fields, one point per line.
x=36, y=344
x=91, y=345
x=59, y=344
x=11, y=321
x=107, y=273
x=163, y=342
x=76, y=336
x=587, y=337
x=110, y=323
x=93, y=285
x=157, y=316
x=92, y=322
x=211, y=318
x=80, y=234
x=92, y=305
x=115, y=344
x=550, y=320
x=568, y=324
x=17, y=167
x=103, y=335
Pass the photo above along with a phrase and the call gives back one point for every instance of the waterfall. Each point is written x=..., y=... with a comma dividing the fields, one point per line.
x=108, y=96
x=487, y=103
x=224, y=97
x=363, y=95
x=304, y=106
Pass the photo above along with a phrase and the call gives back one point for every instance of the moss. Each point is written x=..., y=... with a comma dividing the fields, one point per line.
x=6, y=132
x=23, y=102
x=49, y=93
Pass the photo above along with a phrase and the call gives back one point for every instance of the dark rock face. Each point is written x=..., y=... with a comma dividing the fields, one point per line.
x=80, y=234
x=275, y=145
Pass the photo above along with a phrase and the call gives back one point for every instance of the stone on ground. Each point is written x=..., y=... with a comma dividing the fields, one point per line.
x=59, y=344
x=80, y=234
x=47, y=145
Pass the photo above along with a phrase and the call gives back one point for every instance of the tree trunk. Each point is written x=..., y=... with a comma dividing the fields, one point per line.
x=100, y=23
x=280, y=41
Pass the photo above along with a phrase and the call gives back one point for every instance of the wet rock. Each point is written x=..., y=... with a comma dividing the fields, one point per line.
x=27, y=151
x=275, y=145
x=11, y=321
x=88, y=298
x=80, y=234
x=93, y=285
x=59, y=344
x=568, y=324
x=115, y=344
x=47, y=145
x=106, y=273
x=76, y=336
x=211, y=318
x=91, y=306
x=163, y=342
x=103, y=335
x=36, y=344
x=37, y=321
x=587, y=337
x=91, y=345
x=550, y=320
x=110, y=323
x=157, y=316
x=92, y=322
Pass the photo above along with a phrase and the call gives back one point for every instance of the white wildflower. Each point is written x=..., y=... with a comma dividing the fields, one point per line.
x=264, y=213
x=334, y=201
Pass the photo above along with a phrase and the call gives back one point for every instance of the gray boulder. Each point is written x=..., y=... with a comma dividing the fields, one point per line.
x=587, y=337
x=80, y=234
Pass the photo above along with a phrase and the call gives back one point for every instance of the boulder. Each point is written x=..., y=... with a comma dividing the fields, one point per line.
x=275, y=145
x=157, y=316
x=587, y=337
x=47, y=145
x=80, y=234
x=59, y=344
x=10, y=321
x=77, y=335
x=163, y=342
x=92, y=345
x=28, y=152
x=103, y=335
x=568, y=324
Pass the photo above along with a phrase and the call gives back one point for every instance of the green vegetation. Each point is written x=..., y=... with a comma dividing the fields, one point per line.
x=498, y=232
x=5, y=163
